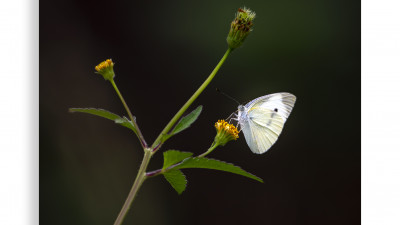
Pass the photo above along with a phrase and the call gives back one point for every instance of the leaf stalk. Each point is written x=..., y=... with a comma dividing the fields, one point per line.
x=138, y=132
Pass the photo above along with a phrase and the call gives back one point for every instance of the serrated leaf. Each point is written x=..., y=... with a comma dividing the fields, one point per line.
x=172, y=157
x=184, y=123
x=207, y=163
x=108, y=115
x=177, y=180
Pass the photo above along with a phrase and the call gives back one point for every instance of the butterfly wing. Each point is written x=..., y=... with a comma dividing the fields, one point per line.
x=282, y=103
x=262, y=129
x=266, y=117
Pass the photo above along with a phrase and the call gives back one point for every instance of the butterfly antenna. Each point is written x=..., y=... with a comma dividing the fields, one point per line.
x=228, y=96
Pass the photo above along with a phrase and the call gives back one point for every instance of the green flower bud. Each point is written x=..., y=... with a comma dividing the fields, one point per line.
x=106, y=69
x=240, y=27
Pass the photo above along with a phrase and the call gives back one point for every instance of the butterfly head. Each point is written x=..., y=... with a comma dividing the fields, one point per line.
x=241, y=108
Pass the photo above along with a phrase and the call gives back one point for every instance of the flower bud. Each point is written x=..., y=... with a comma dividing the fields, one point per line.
x=240, y=27
x=106, y=69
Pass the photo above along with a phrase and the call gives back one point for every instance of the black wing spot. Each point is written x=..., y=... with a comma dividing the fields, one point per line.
x=276, y=110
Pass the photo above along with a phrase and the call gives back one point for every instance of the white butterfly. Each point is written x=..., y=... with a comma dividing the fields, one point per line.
x=262, y=119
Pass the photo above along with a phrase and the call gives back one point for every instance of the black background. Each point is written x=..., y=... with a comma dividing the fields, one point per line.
x=163, y=51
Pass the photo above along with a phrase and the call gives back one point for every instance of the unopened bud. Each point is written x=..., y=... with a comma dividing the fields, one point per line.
x=240, y=27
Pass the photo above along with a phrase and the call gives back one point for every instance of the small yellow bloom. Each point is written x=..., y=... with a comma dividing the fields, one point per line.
x=225, y=132
x=106, y=69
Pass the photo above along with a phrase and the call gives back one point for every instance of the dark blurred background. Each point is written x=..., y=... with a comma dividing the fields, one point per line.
x=163, y=51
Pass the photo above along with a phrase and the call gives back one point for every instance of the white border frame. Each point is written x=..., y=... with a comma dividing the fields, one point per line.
x=19, y=112
x=380, y=112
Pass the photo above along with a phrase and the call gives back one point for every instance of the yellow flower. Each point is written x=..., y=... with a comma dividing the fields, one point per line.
x=225, y=132
x=106, y=69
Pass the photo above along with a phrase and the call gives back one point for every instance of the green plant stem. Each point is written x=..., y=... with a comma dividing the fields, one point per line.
x=171, y=123
x=138, y=132
x=213, y=146
x=140, y=177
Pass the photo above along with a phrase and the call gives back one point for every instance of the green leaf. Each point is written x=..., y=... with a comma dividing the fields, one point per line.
x=108, y=115
x=126, y=123
x=184, y=123
x=98, y=112
x=172, y=157
x=177, y=180
x=214, y=164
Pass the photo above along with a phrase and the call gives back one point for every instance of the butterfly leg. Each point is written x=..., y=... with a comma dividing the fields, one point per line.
x=233, y=116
